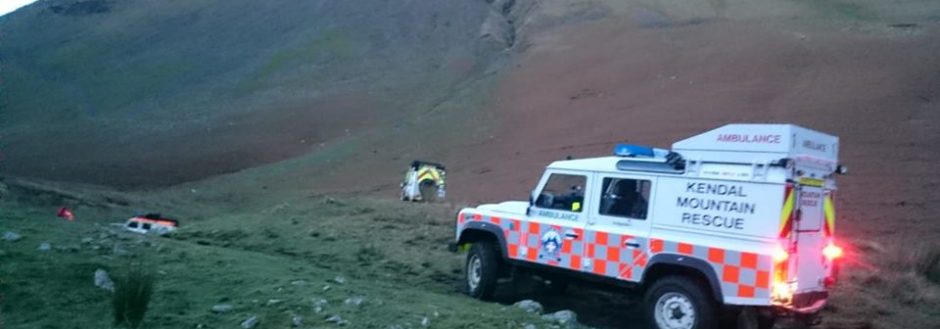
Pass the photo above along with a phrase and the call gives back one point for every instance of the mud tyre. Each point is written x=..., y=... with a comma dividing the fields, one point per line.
x=678, y=302
x=482, y=270
x=748, y=318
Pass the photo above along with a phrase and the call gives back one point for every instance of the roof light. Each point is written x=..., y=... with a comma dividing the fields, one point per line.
x=630, y=150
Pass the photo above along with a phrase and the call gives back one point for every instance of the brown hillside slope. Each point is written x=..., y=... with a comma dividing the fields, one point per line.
x=645, y=78
x=653, y=78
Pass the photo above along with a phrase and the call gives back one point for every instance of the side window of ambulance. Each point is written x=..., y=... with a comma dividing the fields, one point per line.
x=146, y=226
x=562, y=192
x=132, y=224
x=624, y=197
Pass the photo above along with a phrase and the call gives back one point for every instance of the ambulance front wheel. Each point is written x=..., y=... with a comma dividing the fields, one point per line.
x=482, y=270
x=679, y=302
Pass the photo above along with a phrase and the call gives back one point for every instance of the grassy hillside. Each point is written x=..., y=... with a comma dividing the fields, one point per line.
x=203, y=87
x=313, y=257
x=277, y=131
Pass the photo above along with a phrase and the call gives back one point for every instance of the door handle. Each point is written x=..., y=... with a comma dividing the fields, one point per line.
x=571, y=235
x=632, y=244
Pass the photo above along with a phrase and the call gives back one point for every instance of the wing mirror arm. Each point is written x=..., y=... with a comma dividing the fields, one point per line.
x=531, y=203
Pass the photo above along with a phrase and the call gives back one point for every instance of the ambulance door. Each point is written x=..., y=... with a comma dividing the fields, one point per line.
x=554, y=232
x=618, y=227
x=810, y=263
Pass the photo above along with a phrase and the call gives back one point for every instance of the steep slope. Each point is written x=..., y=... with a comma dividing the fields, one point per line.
x=164, y=92
x=338, y=96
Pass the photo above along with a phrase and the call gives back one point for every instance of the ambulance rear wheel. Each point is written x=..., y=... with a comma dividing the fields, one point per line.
x=482, y=270
x=678, y=302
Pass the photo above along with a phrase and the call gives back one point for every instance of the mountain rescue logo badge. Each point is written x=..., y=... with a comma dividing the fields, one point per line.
x=551, y=245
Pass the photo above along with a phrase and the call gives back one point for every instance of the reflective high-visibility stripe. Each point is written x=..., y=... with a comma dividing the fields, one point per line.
x=786, y=216
x=814, y=182
x=429, y=173
x=740, y=274
x=830, y=210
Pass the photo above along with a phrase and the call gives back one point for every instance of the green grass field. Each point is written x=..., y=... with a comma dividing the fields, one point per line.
x=272, y=261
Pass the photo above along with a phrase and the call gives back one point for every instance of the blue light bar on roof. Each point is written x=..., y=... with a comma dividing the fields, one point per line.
x=630, y=150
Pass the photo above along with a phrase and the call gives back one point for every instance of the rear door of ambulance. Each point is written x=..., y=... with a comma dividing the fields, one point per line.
x=811, y=264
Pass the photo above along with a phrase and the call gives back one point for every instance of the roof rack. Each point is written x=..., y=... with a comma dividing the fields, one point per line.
x=758, y=170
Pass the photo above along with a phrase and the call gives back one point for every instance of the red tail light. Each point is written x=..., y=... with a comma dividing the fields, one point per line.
x=832, y=251
x=780, y=255
x=782, y=291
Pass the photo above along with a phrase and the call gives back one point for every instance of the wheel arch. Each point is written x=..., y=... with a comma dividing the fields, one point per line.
x=479, y=231
x=662, y=265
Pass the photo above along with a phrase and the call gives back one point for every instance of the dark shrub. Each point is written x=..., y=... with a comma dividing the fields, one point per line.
x=132, y=293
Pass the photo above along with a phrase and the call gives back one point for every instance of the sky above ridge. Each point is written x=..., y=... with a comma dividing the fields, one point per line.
x=8, y=6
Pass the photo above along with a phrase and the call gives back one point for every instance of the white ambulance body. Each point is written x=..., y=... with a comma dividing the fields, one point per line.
x=737, y=218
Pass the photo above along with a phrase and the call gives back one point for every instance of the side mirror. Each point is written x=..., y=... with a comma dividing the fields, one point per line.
x=531, y=203
x=842, y=170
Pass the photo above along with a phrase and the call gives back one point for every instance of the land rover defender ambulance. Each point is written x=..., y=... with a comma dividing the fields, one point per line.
x=737, y=221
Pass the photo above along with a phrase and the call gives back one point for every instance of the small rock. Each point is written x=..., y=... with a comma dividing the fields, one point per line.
x=118, y=250
x=297, y=321
x=529, y=326
x=566, y=318
x=11, y=236
x=425, y=322
x=87, y=240
x=273, y=302
x=299, y=283
x=103, y=281
x=354, y=301
x=250, y=322
x=222, y=308
x=339, y=279
x=337, y=320
x=530, y=306
x=45, y=246
x=326, y=287
x=318, y=304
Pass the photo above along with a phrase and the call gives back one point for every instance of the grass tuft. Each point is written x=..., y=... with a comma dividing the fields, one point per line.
x=927, y=264
x=132, y=293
